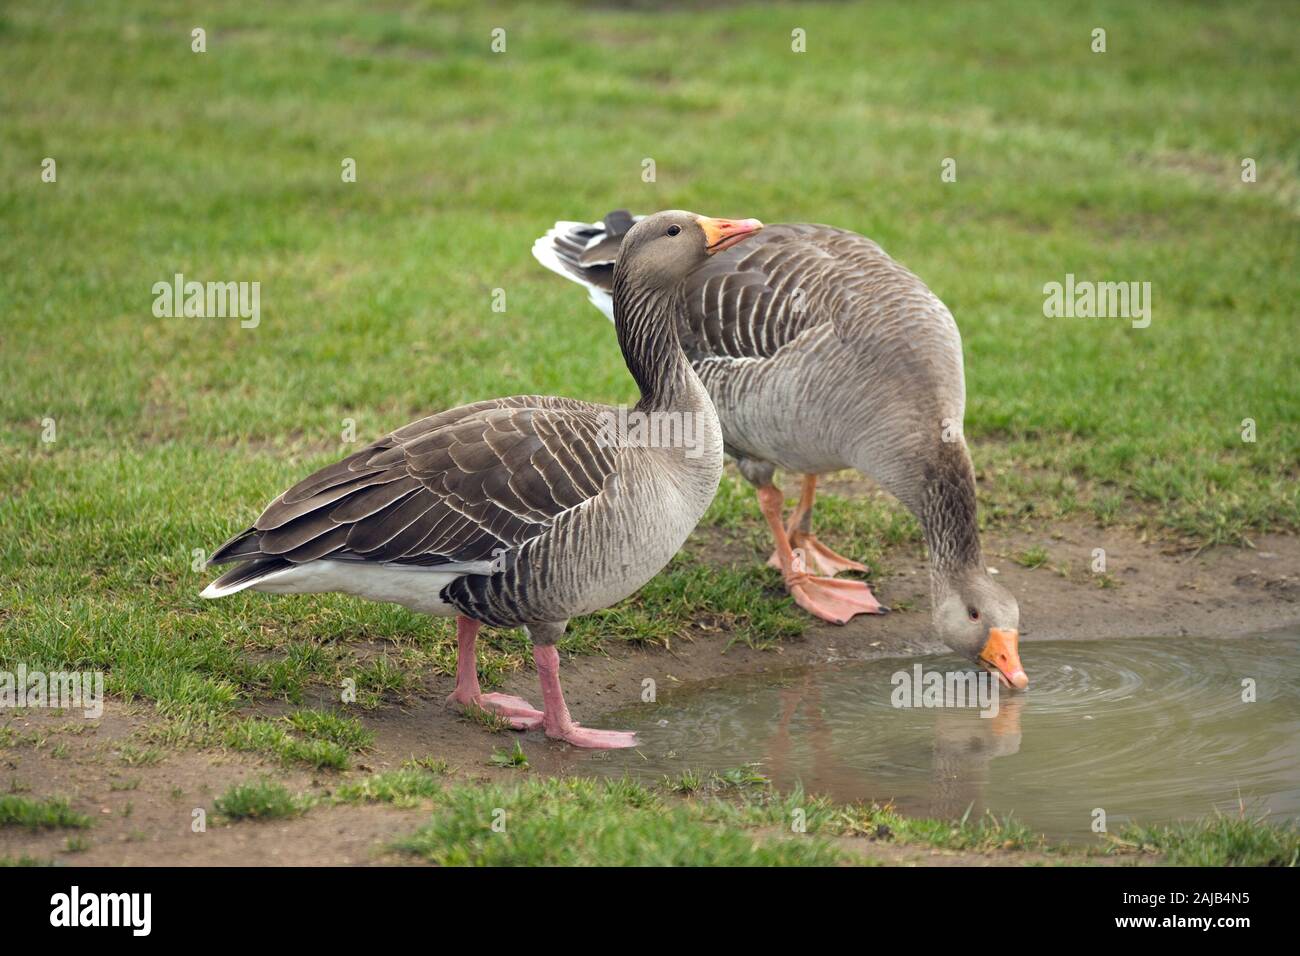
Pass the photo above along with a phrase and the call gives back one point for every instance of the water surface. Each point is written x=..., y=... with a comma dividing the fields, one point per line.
x=1152, y=730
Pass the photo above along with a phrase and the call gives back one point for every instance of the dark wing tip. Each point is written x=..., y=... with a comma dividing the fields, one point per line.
x=618, y=222
x=241, y=547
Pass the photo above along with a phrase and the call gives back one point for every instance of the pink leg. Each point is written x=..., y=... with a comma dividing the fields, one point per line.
x=521, y=714
x=557, y=721
x=467, y=690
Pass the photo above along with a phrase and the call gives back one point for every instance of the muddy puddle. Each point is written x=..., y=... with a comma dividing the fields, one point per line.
x=1153, y=730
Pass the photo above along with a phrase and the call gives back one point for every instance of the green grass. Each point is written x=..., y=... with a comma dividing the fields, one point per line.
x=76, y=844
x=576, y=822
x=731, y=817
x=983, y=834
x=376, y=295
x=436, y=765
x=1218, y=841
x=259, y=800
x=268, y=736
x=134, y=756
x=404, y=788
x=490, y=721
x=1031, y=558
x=734, y=815
x=688, y=781
x=735, y=818
x=514, y=757
x=33, y=814
x=688, y=594
x=347, y=732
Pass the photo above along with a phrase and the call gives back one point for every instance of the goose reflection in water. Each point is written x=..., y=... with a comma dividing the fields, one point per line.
x=965, y=745
x=1151, y=729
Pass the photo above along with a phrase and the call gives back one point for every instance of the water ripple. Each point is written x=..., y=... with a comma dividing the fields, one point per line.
x=1151, y=729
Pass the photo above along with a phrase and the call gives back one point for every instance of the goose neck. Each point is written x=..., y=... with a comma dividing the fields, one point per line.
x=948, y=515
x=646, y=322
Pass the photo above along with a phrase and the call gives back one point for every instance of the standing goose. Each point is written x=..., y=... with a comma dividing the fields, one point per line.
x=822, y=353
x=522, y=511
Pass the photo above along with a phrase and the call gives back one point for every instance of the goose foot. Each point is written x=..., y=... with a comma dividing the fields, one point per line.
x=595, y=739
x=518, y=712
x=508, y=706
x=816, y=557
x=831, y=599
x=521, y=714
x=525, y=723
x=823, y=597
x=556, y=721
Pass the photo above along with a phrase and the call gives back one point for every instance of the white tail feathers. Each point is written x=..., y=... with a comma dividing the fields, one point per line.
x=245, y=576
x=544, y=251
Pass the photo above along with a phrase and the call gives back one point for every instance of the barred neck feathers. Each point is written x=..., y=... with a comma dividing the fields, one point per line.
x=948, y=515
x=646, y=322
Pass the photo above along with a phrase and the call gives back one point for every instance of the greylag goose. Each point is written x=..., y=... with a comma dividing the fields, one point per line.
x=517, y=512
x=822, y=353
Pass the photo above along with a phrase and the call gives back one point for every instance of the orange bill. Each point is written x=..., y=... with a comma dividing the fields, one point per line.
x=722, y=234
x=1002, y=654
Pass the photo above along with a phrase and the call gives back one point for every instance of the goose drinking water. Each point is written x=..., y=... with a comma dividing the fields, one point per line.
x=822, y=353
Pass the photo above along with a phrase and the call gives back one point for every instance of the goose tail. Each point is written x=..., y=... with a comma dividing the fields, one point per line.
x=584, y=252
x=253, y=566
x=245, y=575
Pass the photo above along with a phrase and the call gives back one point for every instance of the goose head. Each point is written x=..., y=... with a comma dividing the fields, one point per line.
x=979, y=618
x=663, y=249
x=657, y=256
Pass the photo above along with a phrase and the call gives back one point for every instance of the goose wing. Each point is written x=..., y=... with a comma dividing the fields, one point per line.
x=750, y=302
x=456, y=488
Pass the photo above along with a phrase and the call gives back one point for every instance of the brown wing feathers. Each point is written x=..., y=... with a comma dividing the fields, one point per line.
x=456, y=487
x=751, y=301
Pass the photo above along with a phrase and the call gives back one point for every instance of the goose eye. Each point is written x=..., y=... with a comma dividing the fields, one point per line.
x=974, y=613
x=674, y=230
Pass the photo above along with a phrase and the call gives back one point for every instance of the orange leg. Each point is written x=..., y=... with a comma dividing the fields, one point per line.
x=823, y=597
x=816, y=556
